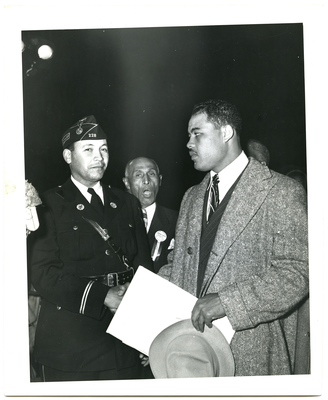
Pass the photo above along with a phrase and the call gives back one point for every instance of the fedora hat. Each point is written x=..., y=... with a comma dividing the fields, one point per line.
x=180, y=351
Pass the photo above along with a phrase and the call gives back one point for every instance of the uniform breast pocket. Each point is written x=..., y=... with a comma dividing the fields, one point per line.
x=75, y=242
x=127, y=237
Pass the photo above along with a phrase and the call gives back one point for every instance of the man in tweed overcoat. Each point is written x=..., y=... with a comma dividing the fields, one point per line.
x=255, y=269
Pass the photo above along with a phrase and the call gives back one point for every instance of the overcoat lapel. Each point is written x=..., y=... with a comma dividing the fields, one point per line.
x=196, y=213
x=250, y=192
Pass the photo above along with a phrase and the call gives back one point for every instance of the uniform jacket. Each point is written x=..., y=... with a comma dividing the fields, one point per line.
x=258, y=265
x=164, y=220
x=71, y=333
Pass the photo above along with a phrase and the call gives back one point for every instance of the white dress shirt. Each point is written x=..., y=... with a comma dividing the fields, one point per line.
x=230, y=173
x=84, y=189
x=150, y=210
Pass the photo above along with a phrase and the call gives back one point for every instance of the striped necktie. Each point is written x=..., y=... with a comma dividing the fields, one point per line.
x=96, y=202
x=213, y=196
x=145, y=217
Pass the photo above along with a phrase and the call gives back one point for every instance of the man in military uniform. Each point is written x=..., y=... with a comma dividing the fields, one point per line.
x=90, y=242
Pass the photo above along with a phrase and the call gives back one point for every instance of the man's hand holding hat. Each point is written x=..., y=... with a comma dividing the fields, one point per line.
x=206, y=310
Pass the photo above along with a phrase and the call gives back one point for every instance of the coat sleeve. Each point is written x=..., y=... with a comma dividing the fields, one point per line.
x=276, y=289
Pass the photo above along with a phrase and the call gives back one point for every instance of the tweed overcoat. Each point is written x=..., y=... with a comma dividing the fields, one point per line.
x=71, y=331
x=258, y=265
x=164, y=220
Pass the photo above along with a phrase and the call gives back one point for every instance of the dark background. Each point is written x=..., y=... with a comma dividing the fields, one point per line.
x=141, y=85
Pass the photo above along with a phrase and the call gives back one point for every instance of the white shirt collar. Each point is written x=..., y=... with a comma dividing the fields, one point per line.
x=84, y=189
x=230, y=173
x=150, y=210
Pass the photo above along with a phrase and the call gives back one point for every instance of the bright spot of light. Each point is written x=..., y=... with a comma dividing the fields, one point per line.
x=45, y=52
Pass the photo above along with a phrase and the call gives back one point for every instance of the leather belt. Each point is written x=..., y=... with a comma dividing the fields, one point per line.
x=114, y=278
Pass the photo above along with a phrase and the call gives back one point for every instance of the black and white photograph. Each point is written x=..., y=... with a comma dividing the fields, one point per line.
x=163, y=208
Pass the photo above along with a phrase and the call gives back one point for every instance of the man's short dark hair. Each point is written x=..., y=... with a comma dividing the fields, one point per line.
x=220, y=113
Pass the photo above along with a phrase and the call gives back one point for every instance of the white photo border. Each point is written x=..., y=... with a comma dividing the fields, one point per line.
x=17, y=18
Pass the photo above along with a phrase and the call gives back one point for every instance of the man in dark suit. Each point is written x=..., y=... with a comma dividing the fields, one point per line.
x=143, y=179
x=90, y=242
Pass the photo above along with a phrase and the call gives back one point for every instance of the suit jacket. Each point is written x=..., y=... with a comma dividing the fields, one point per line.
x=164, y=220
x=71, y=332
x=258, y=265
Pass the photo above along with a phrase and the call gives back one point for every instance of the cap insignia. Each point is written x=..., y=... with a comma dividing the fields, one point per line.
x=79, y=129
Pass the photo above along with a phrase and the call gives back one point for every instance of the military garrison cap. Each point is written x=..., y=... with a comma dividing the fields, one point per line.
x=85, y=129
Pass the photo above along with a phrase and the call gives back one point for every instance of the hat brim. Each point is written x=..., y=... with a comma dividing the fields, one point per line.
x=214, y=337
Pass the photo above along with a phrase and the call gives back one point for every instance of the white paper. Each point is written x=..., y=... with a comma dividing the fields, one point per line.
x=151, y=304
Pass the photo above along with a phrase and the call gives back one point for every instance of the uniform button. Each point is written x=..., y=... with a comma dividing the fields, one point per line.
x=107, y=252
x=189, y=250
x=58, y=308
x=75, y=227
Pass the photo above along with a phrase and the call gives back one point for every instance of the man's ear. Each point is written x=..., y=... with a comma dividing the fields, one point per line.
x=126, y=183
x=67, y=156
x=228, y=132
x=160, y=179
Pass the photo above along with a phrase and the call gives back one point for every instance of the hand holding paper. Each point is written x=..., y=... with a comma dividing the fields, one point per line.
x=207, y=309
x=161, y=305
x=114, y=296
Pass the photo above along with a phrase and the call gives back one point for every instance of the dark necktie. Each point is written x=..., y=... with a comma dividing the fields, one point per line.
x=213, y=197
x=145, y=217
x=96, y=202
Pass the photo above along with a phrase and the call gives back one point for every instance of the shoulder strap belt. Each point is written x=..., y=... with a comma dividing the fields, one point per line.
x=104, y=235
